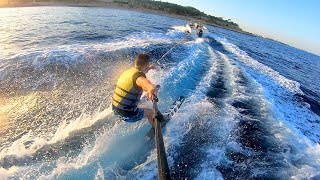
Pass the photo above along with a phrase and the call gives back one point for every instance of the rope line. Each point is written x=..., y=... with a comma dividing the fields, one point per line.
x=165, y=54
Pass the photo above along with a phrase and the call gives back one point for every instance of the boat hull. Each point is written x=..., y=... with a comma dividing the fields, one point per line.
x=196, y=33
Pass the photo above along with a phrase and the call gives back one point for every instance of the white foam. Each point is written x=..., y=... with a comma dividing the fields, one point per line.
x=9, y=172
x=161, y=75
x=100, y=174
x=303, y=155
x=180, y=28
x=68, y=54
x=287, y=117
x=87, y=156
x=137, y=40
x=19, y=149
x=64, y=164
x=280, y=91
x=242, y=56
x=216, y=157
x=199, y=40
x=224, y=121
x=105, y=150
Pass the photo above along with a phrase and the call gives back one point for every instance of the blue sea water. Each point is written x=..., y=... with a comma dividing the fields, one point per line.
x=252, y=106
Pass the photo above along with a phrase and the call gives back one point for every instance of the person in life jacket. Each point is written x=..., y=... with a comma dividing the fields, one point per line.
x=129, y=89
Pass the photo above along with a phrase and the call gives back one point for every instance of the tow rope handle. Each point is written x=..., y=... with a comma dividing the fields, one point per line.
x=155, y=98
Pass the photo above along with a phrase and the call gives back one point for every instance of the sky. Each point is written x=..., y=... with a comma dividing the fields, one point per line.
x=294, y=22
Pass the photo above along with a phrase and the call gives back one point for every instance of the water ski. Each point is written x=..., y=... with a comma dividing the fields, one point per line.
x=167, y=116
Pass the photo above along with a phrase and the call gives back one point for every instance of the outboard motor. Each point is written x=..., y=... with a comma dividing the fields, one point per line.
x=199, y=33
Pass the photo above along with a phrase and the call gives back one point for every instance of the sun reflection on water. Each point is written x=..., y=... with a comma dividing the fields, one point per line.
x=15, y=107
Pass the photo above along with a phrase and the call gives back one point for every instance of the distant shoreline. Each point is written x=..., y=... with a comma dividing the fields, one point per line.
x=115, y=6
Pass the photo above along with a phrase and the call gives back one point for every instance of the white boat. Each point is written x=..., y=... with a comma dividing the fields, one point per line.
x=196, y=29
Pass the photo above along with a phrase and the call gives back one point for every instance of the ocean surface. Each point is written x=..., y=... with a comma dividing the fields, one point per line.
x=252, y=106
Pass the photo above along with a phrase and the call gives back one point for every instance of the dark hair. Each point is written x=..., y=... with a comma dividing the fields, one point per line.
x=142, y=59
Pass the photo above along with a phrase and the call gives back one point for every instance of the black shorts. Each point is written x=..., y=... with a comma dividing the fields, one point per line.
x=129, y=116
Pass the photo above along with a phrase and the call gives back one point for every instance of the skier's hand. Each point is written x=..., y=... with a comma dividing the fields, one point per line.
x=152, y=92
x=152, y=66
x=147, y=86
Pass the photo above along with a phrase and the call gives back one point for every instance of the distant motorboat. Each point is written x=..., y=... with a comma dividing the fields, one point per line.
x=196, y=29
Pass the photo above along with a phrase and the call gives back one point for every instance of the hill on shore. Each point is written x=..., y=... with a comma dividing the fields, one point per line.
x=186, y=12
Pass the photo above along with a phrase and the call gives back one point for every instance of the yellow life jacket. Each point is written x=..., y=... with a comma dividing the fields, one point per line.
x=127, y=93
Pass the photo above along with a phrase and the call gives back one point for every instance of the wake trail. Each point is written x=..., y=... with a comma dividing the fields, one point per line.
x=258, y=130
x=203, y=123
x=252, y=131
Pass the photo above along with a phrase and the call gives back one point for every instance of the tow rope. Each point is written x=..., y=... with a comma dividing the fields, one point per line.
x=165, y=54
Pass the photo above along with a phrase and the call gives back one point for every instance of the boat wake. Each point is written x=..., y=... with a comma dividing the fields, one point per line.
x=241, y=119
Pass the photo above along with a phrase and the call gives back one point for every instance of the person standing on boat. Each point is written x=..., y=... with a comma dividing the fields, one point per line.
x=129, y=89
